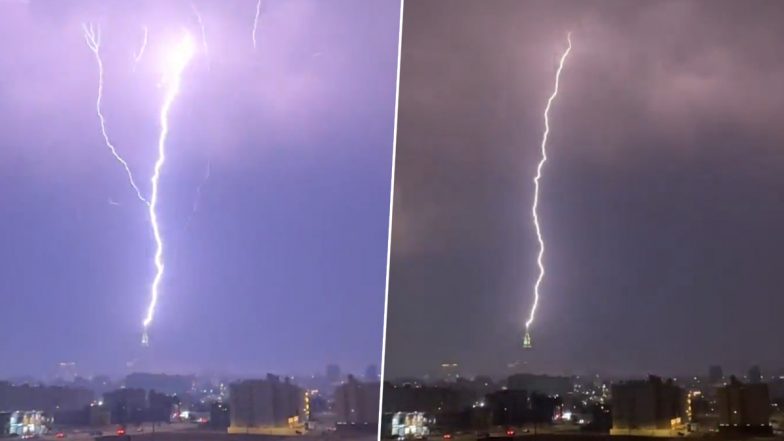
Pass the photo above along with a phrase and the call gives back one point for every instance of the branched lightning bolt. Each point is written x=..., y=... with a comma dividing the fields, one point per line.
x=92, y=35
x=137, y=57
x=536, y=188
x=256, y=22
x=173, y=81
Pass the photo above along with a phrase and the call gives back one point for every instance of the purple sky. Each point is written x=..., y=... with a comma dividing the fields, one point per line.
x=662, y=203
x=281, y=267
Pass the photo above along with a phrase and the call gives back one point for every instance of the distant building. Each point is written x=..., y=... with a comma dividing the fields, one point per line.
x=450, y=371
x=542, y=384
x=371, y=373
x=333, y=373
x=66, y=371
x=356, y=403
x=648, y=408
x=44, y=398
x=164, y=383
x=160, y=406
x=508, y=407
x=432, y=400
x=517, y=407
x=715, y=375
x=126, y=405
x=220, y=417
x=755, y=375
x=268, y=406
x=744, y=408
x=776, y=387
x=98, y=416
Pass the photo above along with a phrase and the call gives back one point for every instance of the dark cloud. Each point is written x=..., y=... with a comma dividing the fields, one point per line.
x=661, y=201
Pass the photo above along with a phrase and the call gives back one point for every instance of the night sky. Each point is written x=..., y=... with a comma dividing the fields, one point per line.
x=277, y=264
x=662, y=201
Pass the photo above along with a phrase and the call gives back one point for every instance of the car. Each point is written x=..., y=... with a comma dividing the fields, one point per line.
x=59, y=435
x=510, y=432
x=447, y=436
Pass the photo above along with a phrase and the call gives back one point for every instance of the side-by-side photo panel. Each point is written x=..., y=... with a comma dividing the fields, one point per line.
x=587, y=221
x=195, y=214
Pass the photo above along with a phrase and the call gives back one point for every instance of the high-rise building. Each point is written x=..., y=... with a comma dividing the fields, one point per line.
x=648, y=408
x=715, y=375
x=66, y=371
x=333, y=373
x=755, y=375
x=356, y=403
x=450, y=371
x=267, y=406
x=371, y=373
x=744, y=408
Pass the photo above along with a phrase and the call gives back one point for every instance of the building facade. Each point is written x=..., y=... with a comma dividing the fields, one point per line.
x=45, y=398
x=356, y=402
x=268, y=406
x=649, y=407
x=744, y=408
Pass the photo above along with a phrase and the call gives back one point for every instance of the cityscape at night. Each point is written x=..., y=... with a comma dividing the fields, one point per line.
x=403, y=220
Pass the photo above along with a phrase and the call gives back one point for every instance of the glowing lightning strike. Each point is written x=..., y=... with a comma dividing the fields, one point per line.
x=184, y=52
x=527, y=338
x=92, y=35
x=256, y=22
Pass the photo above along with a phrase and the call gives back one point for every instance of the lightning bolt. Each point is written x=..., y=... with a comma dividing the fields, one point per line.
x=534, y=212
x=92, y=35
x=256, y=22
x=172, y=80
x=204, y=46
x=137, y=57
